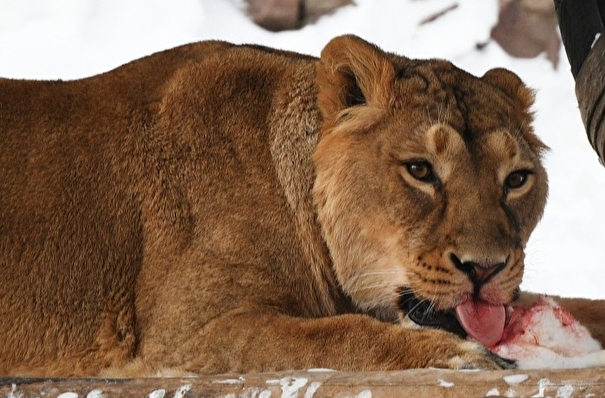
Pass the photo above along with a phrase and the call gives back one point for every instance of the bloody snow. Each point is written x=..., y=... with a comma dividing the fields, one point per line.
x=545, y=336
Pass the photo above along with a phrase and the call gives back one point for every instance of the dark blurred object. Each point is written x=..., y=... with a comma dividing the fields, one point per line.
x=276, y=15
x=313, y=9
x=582, y=27
x=580, y=21
x=590, y=90
x=527, y=28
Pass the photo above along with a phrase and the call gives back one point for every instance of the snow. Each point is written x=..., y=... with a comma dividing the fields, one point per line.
x=445, y=384
x=157, y=393
x=493, y=393
x=290, y=385
x=95, y=394
x=67, y=39
x=513, y=380
x=182, y=390
x=312, y=389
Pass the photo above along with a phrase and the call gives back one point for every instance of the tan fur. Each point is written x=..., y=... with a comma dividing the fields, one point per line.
x=219, y=208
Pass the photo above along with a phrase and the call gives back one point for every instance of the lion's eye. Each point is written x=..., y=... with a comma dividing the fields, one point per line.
x=421, y=170
x=516, y=179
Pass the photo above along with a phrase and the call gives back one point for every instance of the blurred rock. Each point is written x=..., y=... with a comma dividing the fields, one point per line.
x=276, y=15
x=527, y=28
x=316, y=8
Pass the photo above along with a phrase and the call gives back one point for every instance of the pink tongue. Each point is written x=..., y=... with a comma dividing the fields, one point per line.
x=482, y=321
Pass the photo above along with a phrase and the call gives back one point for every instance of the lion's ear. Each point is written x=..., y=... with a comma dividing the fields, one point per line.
x=514, y=88
x=511, y=85
x=350, y=73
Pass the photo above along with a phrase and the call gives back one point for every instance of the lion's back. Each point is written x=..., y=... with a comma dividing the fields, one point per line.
x=92, y=185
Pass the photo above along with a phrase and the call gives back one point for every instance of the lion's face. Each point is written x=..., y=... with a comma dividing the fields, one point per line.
x=429, y=182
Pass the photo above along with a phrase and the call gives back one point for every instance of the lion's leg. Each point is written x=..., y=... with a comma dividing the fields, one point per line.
x=252, y=341
x=590, y=313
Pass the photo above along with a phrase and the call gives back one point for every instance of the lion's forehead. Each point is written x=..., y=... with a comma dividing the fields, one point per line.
x=442, y=92
x=495, y=152
x=444, y=141
x=459, y=112
x=441, y=139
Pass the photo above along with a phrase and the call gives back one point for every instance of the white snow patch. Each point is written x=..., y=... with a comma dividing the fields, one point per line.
x=68, y=395
x=493, y=393
x=95, y=394
x=542, y=384
x=251, y=392
x=239, y=380
x=565, y=391
x=513, y=380
x=157, y=393
x=446, y=384
x=265, y=394
x=510, y=393
x=290, y=385
x=312, y=389
x=14, y=393
x=180, y=393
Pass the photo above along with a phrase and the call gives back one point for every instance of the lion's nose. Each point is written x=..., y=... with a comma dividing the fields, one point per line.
x=478, y=272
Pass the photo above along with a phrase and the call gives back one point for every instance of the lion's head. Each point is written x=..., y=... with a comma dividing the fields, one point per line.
x=429, y=183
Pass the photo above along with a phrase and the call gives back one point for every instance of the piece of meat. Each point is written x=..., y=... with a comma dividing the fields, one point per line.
x=546, y=336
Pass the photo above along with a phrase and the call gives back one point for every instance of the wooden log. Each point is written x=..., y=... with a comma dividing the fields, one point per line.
x=316, y=384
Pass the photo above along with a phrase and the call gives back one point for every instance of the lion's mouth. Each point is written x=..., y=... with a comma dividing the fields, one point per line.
x=423, y=313
x=479, y=320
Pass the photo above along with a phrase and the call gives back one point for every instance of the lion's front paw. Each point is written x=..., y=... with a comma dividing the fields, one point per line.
x=453, y=353
x=472, y=355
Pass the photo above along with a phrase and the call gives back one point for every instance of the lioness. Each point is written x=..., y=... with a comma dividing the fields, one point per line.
x=220, y=208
